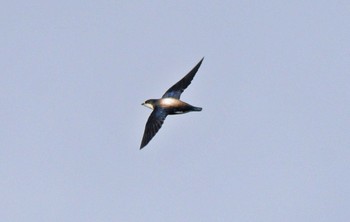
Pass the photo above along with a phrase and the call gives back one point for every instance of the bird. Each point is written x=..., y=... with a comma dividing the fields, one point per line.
x=169, y=104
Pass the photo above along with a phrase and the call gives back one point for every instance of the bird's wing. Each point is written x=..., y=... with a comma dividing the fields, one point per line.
x=176, y=90
x=154, y=123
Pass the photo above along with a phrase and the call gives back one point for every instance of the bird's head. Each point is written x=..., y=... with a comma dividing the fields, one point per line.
x=150, y=103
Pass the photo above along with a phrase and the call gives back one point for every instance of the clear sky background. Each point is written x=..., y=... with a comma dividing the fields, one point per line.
x=271, y=144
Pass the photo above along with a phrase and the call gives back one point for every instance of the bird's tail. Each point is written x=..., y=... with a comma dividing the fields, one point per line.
x=196, y=109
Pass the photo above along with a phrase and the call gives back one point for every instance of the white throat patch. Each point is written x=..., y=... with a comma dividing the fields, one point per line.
x=148, y=105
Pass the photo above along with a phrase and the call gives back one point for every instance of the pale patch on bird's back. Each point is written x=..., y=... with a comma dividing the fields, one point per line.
x=171, y=102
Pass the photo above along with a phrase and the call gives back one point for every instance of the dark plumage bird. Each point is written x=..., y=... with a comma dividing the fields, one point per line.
x=169, y=104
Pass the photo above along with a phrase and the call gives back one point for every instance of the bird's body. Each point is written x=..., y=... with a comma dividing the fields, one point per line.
x=169, y=104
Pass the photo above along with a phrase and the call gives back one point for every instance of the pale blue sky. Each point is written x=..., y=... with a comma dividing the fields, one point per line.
x=271, y=144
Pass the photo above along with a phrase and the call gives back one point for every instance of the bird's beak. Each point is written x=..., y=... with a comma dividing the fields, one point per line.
x=142, y=104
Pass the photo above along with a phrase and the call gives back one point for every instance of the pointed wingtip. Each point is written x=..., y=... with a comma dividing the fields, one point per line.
x=143, y=144
x=199, y=63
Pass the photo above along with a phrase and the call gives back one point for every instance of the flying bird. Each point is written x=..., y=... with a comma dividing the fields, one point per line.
x=169, y=104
